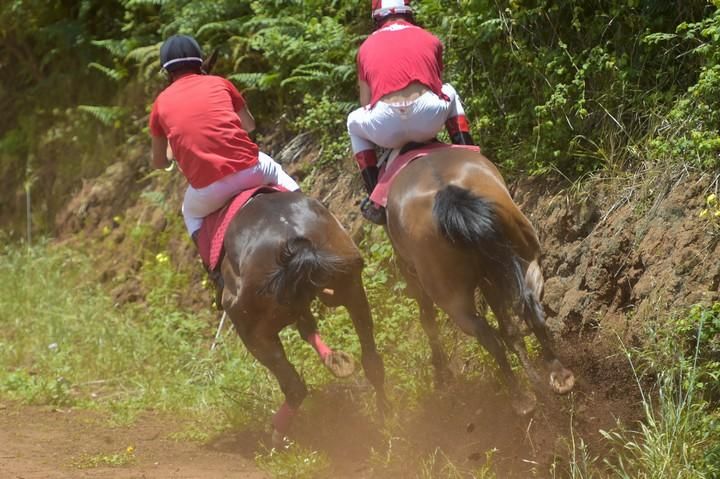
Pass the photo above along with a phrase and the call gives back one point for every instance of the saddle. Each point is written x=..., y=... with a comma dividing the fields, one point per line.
x=398, y=159
x=211, y=236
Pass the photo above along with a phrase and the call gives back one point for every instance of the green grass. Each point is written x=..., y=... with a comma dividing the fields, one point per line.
x=118, y=459
x=64, y=342
x=293, y=462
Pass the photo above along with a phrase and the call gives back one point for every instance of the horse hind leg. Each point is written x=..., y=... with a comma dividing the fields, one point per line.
x=270, y=353
x=351, y=294
x=474, y=325
x=562, y=379
x=339, y=363
x=428, y=321
x=508, y=330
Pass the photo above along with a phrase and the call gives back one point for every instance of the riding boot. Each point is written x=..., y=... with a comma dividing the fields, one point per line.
x=459, y=130
x=367, y=161
x=214, y=275
x=462, y=138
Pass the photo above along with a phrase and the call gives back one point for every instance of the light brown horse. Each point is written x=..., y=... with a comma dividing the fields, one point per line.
x=282, y=250
x=455, y=229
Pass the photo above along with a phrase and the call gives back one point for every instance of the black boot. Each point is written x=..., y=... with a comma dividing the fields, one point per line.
x=367, y=161
x=373, y=212
x=370, y=178
x=462, y=138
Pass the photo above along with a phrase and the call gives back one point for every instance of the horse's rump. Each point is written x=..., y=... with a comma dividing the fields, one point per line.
x=283, y=248
x=303, y=270
x=458, y=196
x=472, y=223
x=390, y=171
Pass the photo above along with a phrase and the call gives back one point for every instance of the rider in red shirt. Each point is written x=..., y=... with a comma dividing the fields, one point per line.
x=403, y=98
x=206, y=121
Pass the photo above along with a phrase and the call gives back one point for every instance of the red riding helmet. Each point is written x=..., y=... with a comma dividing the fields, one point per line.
x=383, y=8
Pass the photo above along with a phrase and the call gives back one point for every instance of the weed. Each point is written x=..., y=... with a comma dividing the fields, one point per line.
x=293, y=462
x=438, y=464
x=680, y=434
x=118, y=459
x=711, y=214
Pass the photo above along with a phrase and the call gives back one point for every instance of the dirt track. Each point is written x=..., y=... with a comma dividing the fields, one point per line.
x=462, y=422
x=44, y=443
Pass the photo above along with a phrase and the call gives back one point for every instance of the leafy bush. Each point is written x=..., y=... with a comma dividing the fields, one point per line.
x=561, y=85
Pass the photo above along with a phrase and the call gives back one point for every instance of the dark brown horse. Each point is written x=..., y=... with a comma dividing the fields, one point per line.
x=281, y=251
x=455, y=230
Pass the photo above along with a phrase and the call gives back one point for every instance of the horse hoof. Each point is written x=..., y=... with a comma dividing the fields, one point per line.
x=279, y=440
x=339, y=363
x=562, y=379
x=524, y=405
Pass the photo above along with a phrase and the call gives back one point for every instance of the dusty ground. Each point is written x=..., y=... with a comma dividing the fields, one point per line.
x=463, y=421
x=42, y=443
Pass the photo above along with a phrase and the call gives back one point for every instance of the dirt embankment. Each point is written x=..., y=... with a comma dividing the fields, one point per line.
x=620, y=255
x=613, y=249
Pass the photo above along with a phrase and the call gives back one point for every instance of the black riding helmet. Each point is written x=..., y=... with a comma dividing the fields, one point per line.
x=179, y=52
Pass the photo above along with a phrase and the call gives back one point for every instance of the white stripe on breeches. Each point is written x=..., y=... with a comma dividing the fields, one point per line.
x=394, y=125
x=199, y=203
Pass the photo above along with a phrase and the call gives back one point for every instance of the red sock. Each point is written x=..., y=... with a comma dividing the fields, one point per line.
x=457, y=124
x=322, y=349
x=283, y=416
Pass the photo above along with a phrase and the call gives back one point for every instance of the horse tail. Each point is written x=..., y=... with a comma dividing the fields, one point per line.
x=302, y=271
x=471, y=222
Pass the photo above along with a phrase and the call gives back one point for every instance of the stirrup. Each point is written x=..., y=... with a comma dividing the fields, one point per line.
x=216, y=278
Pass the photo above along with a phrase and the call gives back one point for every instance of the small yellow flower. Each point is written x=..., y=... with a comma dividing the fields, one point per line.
x=711, y=200
x=130, y=450
x=106, y=230
x=161, y=258
x=717, y=214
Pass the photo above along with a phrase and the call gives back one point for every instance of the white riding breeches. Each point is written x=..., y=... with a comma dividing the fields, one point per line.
x=199, y=203
x=394, y=125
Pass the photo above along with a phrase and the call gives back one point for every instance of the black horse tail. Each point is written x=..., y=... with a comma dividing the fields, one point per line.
x=303, y=270
x=471, y=222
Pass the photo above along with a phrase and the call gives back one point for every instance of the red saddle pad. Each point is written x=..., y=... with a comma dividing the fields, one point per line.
x=212, y=232
x=388, y=174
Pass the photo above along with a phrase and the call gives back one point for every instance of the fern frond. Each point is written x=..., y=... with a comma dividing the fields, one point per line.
x=144, y=55
x=111, y=73
x=320, y=72
x=107, y=115
x=261, y=81
x=233, y=25
x=118, y=48
x=137, y=3
x=262, y=23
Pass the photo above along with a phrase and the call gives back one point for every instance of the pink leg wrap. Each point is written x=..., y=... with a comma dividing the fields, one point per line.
x=322, y=349
x=281, y=419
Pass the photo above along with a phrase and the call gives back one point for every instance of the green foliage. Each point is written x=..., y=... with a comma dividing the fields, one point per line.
x=565, y=85
x=570, y=85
